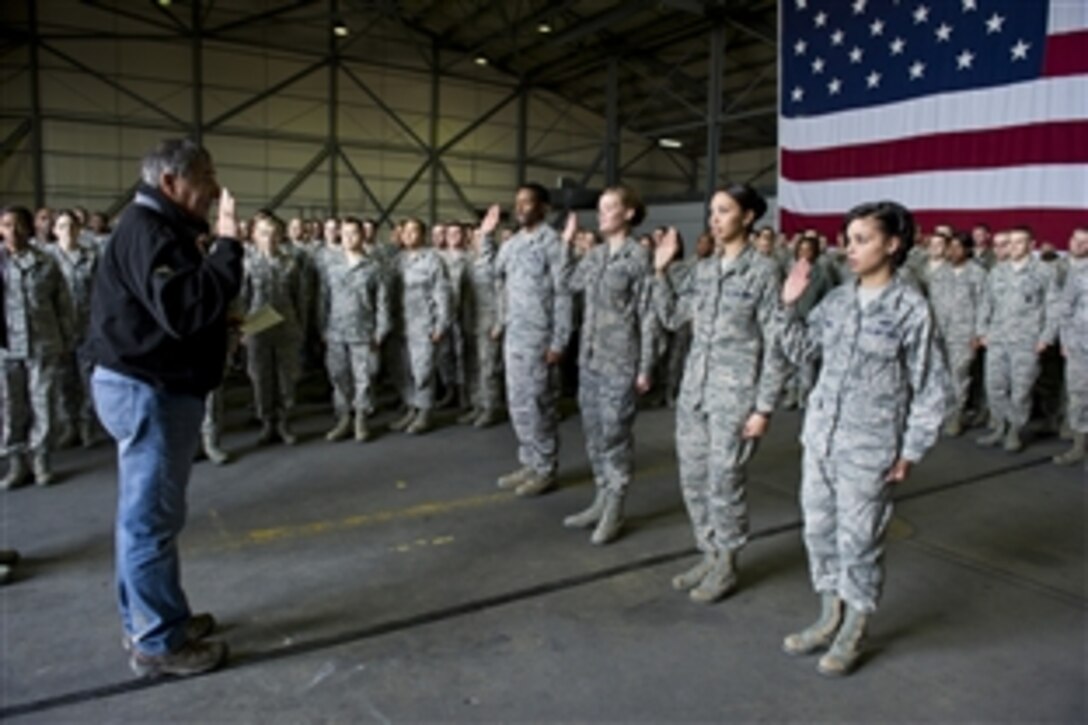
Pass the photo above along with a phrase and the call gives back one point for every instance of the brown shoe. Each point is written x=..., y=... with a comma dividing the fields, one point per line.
x=192, y=658
x=197, y=628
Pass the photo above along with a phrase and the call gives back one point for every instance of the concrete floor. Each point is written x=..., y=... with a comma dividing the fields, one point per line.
x=393, y=582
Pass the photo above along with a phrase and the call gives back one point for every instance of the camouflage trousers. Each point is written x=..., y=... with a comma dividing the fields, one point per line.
x=712, y=458
x=273, y=368
x=212, y=425
x=29, y=391
x=483, y=371
x=419, y=371
x=846, y=509
x=608, y=405
x=451, y=358
x=351, y=367
x=678, y=347
x=961, y=358
x=532, y=393
x=1011, y=372
x=1076, y=388
x=74, y=401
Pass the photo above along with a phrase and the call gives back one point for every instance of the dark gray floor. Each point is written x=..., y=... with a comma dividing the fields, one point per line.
x=393, y=582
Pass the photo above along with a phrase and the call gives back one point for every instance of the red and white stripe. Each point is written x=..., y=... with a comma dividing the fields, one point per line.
x=1015, y=154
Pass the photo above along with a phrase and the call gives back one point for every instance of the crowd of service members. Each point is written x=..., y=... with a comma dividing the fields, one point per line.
x=419, y=312
x=451, y=317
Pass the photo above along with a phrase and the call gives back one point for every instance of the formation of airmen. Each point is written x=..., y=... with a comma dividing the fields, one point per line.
x=477, y=315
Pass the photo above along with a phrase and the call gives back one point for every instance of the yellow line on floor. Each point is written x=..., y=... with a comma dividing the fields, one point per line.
x=259, y=537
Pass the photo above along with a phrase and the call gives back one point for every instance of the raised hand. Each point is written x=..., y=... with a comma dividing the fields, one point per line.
x=227, y=223
x=571, y=228
x=667, y=249
x=491, y=220
x=796, y=282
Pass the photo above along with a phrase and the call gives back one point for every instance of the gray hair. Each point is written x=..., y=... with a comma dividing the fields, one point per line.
x=174, y=156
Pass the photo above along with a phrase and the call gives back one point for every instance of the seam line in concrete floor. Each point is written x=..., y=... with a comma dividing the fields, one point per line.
x=479, y=605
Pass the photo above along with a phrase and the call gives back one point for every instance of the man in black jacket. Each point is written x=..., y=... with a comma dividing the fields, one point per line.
x=158, y=339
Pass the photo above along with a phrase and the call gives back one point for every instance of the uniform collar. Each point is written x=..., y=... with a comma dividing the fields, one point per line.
x=891, y=289
x=740, y=263
x=149, y=197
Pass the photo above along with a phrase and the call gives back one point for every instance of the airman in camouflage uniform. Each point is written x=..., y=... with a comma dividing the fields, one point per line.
x=451, y=352
x=355, y=319
x=38, y=317
x=78, y=264
x=274, y=277
x=616, y=352
x=532, y=269
x=733, y=370
x=424, y=317
x=1073, y=330
x=479, y=317
x=1018, y=322
x=956, y=289
x=881, y=395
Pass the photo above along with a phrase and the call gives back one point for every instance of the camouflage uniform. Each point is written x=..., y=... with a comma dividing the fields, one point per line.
x=78, y=268
x=272, y=356
x=1018, y=312
x=38, y=311
x=617, y=345
x=1073, y=329
x=881, y=395
x=483, y=362
x=354, y=316
x=532, y=270
x=955, y=294
x=679, y=342
x=800, y=379
x=451, y=352
x=424, y=308
x=733, y=370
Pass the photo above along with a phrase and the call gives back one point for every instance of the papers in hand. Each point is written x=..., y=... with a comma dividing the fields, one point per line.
x=263, y=319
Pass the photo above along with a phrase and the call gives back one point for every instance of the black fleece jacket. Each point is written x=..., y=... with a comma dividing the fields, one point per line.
x=159, y=305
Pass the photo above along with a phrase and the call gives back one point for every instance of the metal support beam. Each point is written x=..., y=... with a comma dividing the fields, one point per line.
x=304, y=173
x=435, y=99
x=36, y=141
x=359, y=179
x=612, y=124
x=252, y=20
x=333, y=143
x=714, y=108
x=116, y=9
x=268, y=92
x=522, y=151
x=13, y=139
x=646, y=151
x=388, y=213
x=197, y=22
x=84, y=68
x=479, y=121
x=457, y=190
x=380, y=103
x=592, y=169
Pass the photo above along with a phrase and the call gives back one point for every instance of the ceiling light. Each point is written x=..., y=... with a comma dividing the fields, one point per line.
x=164, y=3
x=339, y=29
x=669, y=143
x=544, y=28
x=481, y=60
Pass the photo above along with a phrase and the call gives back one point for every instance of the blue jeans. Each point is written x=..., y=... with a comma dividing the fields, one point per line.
x=157, y=434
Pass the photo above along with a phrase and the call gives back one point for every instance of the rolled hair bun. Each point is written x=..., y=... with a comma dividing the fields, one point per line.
x=748, y=198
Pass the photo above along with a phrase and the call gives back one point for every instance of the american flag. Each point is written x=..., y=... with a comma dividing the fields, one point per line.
x=966, y=111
